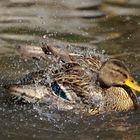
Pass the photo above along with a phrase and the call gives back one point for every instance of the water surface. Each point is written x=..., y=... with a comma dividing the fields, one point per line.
x=110, y=27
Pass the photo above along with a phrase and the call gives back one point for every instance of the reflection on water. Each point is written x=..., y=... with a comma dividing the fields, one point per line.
x=111, y=26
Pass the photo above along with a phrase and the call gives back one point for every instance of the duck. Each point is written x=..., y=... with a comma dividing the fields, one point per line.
x=85, y=83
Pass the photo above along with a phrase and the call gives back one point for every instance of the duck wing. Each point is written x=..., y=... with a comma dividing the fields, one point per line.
x=78, y=77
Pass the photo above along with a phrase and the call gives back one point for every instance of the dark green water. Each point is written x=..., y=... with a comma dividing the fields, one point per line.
x=111, y=27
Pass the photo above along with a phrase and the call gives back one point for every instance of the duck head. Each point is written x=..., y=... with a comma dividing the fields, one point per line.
x=115, y=73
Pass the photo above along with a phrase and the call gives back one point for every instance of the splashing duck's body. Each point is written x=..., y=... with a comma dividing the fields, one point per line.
x=81, y=82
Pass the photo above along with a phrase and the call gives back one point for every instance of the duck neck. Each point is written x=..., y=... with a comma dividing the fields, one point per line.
x=132, y=95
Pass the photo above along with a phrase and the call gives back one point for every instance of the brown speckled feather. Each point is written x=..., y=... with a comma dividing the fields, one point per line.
x=78, y=76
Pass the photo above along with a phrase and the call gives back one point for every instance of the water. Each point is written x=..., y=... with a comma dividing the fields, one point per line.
x=111, y=27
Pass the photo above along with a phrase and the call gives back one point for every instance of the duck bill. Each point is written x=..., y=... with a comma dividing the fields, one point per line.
x=132, y=85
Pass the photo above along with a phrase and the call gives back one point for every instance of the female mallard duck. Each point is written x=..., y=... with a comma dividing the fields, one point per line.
x=83, y=82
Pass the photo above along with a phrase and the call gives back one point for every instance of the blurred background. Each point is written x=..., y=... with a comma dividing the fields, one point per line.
x=109, y=27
